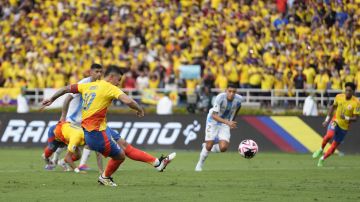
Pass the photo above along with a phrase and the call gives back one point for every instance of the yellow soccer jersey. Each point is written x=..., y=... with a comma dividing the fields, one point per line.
x=96, y=98
x=347, y=107
x=71, y=135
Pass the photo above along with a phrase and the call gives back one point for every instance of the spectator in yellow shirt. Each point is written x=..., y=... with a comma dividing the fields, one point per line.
x=310, y=74
x=321, y=80
x=154, y=81
x=289, y=83
x=244, y=75
x=279, y=84
x=346, y=76
x=221, y=81
x=267, y=84
x=254, y=76
x=357, y=82
x=335, y=81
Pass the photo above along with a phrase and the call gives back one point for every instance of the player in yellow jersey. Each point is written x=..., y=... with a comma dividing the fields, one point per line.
x=59, y=135
x=347, y=108
x=71, y=113
x=97, y=97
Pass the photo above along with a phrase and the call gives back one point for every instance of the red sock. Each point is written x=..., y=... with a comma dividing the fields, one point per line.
x=329, y=135
x=331, y=150
x=138, y=155
x=74, y=157
x=48, y=152
x=112, y=166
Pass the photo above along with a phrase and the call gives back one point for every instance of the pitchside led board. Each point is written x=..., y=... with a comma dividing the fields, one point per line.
x=291, y=134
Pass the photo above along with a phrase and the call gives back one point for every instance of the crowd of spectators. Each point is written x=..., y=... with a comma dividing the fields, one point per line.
x=264, y=44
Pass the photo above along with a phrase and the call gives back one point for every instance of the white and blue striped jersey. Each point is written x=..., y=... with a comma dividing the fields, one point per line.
x=226, y=109
x=74, y=112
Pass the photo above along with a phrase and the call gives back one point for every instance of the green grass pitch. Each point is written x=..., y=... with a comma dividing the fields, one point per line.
x=226, y=177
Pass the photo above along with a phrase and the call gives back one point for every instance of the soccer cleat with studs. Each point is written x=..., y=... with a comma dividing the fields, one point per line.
x=164, y=161
x=106, y=181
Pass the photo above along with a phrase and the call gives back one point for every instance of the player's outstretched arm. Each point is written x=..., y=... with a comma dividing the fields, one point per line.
x=65, y=107
x=132, y=104
x=62, y=91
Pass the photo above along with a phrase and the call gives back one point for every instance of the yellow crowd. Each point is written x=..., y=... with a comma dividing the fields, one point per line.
x=53, y=43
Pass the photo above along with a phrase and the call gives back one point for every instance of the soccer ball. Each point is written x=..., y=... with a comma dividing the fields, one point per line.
x=248, y=148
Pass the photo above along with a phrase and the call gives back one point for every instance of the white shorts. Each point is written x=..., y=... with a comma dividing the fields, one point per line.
x=213, y=130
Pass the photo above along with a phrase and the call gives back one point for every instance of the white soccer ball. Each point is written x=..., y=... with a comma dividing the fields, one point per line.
x=248, y=148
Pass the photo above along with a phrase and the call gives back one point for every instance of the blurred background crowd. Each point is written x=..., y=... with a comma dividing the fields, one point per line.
x=274, y=44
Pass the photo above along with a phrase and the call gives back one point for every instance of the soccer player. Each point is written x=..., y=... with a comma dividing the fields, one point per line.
x=347, y=108
x=97, y=97
x=59, y=135
x=72, y=113
x=220, y=120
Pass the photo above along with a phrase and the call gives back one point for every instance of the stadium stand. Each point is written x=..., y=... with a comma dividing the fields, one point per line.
x=294, y=44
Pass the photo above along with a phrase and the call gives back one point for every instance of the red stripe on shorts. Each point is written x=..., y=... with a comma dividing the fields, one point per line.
x=107, y=149
x=51, y=139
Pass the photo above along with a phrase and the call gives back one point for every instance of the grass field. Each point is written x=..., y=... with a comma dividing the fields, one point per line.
x=226, y=177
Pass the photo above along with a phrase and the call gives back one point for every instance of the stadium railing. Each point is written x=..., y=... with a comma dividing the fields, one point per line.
x=253, y=97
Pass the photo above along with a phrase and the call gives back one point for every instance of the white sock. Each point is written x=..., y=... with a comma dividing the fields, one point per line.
x=215, y=148
x=203, y=155
x=57, y=153
x=85, y=156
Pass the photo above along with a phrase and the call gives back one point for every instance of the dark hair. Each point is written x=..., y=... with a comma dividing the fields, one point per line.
x=351, y=85
x=231, y=85
x=96, y=66
x=113, y=69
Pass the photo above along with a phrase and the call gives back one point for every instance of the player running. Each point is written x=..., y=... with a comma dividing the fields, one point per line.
x=97, y=97
x=347, y=108
x=220, y=120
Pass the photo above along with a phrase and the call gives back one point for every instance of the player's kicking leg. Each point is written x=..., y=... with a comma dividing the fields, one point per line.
x=138, y=155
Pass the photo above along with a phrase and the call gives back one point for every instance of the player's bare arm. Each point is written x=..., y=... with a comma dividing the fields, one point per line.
x=329, y=114
x=132, y=104
x=348, y=118
x=65, y=107
x=216, y=117
x=62, y=91
x=68, y=159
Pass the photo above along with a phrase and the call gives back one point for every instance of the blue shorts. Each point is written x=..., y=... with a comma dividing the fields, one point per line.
x=102, y=142
x=339, y=133
x=52, y=143
x=113, y=133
